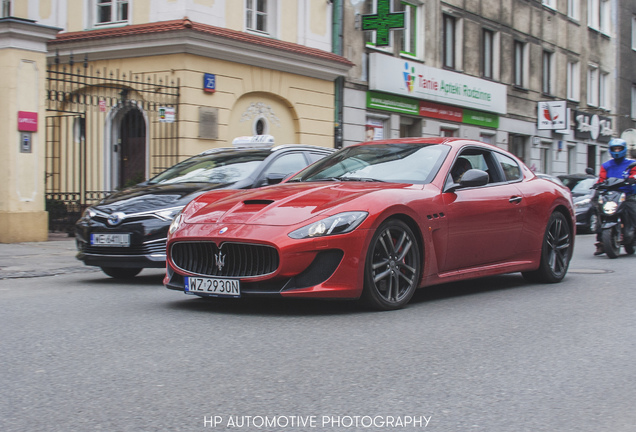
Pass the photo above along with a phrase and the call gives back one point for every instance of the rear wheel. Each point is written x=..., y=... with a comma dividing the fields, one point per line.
x=556, y=251
x=612, y=242
x=392, y=267
x=121, y=272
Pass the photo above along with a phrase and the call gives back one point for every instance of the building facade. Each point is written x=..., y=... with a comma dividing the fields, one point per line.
x=534, y=77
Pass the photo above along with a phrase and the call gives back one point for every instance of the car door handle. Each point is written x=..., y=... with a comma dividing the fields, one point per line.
x=515, y=200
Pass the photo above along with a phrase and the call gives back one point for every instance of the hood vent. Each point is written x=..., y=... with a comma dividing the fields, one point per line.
x=258, y=202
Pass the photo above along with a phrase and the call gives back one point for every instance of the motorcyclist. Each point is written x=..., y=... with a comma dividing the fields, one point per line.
x=617, y=168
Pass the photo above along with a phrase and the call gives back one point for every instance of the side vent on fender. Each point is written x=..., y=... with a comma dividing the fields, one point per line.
x=435, y=216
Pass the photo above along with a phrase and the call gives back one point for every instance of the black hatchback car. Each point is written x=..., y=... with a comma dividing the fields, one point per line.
x=582, y=195
x=127, y=231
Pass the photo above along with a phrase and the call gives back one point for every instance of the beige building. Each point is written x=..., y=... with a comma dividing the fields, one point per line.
x=130, y=87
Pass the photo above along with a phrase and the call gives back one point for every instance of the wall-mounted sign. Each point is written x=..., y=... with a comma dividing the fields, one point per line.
x=166, y=114
x=552, y=115
x=403, y=105
x=209, y=82
x=27, y=121
x=383, y=22
x=398, y=76
x=592, y=127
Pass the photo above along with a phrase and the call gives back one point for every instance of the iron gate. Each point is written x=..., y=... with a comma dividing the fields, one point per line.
x=105, y=130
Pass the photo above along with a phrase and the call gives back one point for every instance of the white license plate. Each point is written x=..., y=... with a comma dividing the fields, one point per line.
x=112, y=240
x=215, y=287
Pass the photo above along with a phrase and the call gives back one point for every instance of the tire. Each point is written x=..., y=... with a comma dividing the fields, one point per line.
x=612, y=242
x=392, y=267
x=121, y=272
x=629, y=248
x=556, y=251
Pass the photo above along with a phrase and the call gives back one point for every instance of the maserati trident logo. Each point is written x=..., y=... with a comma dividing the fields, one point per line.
x=220, y=260
x=116, y=218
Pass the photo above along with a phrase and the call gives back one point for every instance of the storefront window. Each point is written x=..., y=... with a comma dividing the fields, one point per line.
x=374, y=129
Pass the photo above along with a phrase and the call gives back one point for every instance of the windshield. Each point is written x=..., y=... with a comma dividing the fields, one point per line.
x=398, y=163
x=225, y=167
x=583, y=186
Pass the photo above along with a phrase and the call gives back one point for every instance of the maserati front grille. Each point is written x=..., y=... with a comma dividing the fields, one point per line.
x=229, y=260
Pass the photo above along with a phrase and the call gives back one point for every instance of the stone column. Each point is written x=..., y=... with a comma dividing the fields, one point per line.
x=22, y=129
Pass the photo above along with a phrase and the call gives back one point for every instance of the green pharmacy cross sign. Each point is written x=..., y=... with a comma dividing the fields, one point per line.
x=383, y=22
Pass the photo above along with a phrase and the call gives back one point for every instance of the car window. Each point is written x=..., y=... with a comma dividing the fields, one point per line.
x=226, y=167
x=400, y=163
x=510, y=167
x=584, y=186
x=288, y=163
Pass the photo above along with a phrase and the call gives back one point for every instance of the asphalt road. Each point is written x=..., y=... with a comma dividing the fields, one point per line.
x=82, y=352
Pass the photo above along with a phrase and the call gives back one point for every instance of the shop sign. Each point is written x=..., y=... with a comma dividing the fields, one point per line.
x=398, y=76
x=552, y=115
x=27, y=121
x=592, y=127
x=392, y=103
x=478, y=118
x=402, y=105
x=166, y=114
x=209, y=82
x=383, y=22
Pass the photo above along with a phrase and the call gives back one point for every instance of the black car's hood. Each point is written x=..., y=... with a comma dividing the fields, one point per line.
x=143, y=198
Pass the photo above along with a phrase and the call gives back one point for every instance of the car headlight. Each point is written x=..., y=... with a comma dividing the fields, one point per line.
x=610, y=207
x=337, y=224
x=176, y=222
x=89, y=213
x=583, y=203
x=169, y=213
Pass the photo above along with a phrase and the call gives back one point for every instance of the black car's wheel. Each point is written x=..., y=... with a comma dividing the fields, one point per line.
x=555, y=253
x=121, y=273
x=392, y=268
x=629, y=248
x=612, y=242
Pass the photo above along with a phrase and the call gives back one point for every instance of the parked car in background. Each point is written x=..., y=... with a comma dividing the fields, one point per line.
x=127, y=231
x=375, y=221
x=582, y=193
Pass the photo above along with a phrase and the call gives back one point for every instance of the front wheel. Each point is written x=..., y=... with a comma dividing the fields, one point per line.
x=556, y=251
x=392, y=267
x=121, y=272
x=611, y=241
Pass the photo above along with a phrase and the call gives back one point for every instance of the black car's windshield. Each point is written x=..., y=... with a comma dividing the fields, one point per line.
x=222, y=167
x=398, y=163
x=583, y=186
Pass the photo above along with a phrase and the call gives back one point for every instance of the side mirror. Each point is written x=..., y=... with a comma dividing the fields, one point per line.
x=275, y=178
x=471, y=178
x=589, y=171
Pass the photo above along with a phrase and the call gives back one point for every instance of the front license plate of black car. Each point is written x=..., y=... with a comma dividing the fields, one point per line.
x=215, y=287
x=110, y=240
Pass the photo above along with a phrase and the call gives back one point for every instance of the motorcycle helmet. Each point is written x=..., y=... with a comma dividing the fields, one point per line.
x=618, y=148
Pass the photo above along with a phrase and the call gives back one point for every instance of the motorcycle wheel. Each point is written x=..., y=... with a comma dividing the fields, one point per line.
x=611, y=242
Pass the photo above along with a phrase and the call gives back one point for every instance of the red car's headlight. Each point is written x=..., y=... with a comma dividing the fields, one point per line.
x=337, y=224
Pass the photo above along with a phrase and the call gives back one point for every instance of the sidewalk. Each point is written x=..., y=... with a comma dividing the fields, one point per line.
x=53, y=257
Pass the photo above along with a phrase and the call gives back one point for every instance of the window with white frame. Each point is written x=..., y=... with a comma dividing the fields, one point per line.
x=111, y=11
x=592, y=86
x=6, y=8
x=449, y=37
x=488, y=44
x=573, y=81
x=548, y=73
x=603, y=91
x=634, y=33
x=634, y=101
x=574, y=9
x=549, y=3
x=598, y=15
x=521, y=64
x=260, y=16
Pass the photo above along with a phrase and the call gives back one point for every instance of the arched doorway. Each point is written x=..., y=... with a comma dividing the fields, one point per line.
x=132, y=154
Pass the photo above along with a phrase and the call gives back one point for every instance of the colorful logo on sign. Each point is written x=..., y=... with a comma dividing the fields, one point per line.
x=409, y=77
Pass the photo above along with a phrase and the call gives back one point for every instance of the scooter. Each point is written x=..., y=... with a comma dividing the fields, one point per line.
x=610, y=203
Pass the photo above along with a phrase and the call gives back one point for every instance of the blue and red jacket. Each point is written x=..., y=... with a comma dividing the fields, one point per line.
x=618, y=170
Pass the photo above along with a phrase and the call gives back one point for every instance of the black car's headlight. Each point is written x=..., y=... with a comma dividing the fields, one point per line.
x=583, y=203
x=337, y=224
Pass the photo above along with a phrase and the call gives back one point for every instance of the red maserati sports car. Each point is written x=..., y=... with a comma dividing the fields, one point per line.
x=375, y=221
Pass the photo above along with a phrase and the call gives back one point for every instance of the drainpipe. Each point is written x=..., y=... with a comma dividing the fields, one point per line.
x=337, y=39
